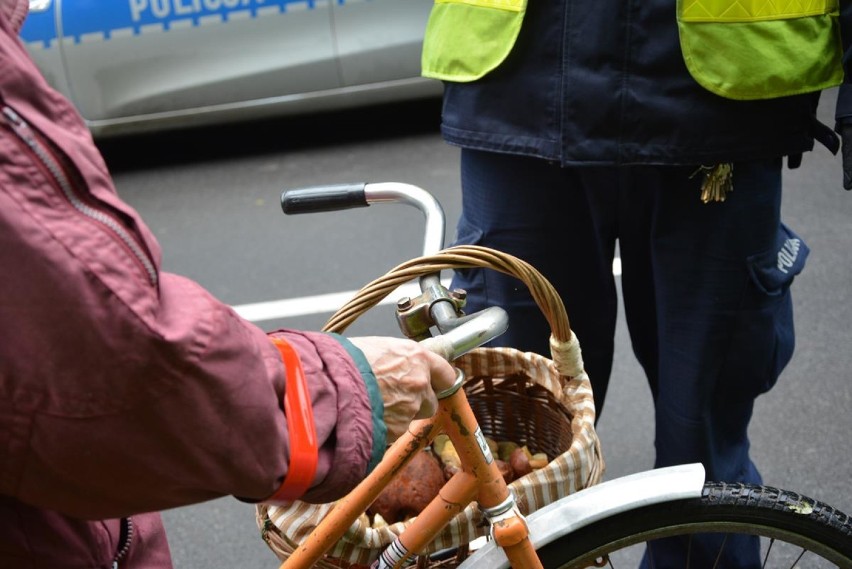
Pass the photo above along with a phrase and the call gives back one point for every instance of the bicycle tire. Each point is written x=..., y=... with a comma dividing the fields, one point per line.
x=787, y=523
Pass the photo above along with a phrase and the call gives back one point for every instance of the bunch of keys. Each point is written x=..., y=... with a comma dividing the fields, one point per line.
x=718, y=182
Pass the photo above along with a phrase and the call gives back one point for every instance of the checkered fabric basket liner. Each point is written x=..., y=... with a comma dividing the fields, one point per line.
x=577, y=463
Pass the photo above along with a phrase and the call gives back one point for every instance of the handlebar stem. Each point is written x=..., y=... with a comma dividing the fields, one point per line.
x=487, y=325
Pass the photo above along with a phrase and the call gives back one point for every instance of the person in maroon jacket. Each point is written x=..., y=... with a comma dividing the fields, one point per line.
x=126, y=390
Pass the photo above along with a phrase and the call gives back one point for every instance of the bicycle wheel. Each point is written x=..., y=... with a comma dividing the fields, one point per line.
x=793, y=531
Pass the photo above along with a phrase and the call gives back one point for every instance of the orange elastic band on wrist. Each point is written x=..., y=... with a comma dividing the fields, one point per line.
x=304, y=452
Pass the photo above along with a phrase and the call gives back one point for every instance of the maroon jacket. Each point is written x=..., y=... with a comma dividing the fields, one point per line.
x=124, y=389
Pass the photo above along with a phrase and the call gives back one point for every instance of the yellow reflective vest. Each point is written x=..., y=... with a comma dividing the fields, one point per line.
x=738, y=49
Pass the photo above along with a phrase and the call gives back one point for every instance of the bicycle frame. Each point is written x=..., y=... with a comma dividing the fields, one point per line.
x=479, y=479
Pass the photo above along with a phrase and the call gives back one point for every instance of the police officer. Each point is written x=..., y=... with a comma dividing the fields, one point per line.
x=660, y=127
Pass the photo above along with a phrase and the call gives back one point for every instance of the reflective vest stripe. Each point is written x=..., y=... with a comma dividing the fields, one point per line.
x=753, y=10
x=510, y=5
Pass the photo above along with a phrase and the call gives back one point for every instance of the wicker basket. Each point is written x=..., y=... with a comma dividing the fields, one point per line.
x=524, y=397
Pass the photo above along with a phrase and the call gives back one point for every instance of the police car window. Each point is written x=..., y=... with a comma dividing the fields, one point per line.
x=40, y=5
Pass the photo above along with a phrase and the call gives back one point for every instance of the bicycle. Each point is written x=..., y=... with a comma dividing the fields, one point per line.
x=590, y=526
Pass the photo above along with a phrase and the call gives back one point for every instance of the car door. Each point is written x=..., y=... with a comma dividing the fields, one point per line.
x=379, y=40
x=41, y=38
x=126, y=58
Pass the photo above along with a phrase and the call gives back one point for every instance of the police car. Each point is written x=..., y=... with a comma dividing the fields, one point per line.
x=136, y=65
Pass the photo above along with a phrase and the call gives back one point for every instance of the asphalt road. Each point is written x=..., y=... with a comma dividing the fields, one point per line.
x=211, y=197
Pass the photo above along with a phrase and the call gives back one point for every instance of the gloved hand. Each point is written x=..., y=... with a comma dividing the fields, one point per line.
x=845, y=131
x=405, y=371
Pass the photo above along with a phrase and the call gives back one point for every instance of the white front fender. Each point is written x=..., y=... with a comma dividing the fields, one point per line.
x=596, y=503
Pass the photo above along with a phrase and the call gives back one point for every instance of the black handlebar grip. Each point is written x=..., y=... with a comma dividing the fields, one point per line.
x=323, y=198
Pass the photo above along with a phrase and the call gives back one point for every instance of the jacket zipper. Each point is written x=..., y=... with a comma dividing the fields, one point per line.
x=48, y=160
x=126, y=538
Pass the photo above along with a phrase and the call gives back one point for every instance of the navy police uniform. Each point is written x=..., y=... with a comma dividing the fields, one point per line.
x=591, y=135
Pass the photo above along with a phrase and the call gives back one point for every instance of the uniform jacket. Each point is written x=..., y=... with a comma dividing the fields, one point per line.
x=125, y=389
x=603, y=82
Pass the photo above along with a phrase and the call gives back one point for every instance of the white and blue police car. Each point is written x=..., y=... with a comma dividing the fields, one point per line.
x=135, y=65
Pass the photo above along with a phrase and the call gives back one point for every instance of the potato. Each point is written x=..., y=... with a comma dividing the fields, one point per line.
x=438, y=443
x=450, y=456
x=411, y=490
x=506, y=470
x=538, y=460
x=505, y=449
x=492, y=445
x=520, y=462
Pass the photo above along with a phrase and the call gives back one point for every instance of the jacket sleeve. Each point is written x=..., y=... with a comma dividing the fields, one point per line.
x=194, y=413
x=351, y=429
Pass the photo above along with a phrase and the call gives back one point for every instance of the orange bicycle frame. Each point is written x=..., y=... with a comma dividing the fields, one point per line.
x=479, y=479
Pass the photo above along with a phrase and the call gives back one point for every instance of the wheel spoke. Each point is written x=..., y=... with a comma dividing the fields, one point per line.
x=721, y=549
x=799, y=558
x=768, y=550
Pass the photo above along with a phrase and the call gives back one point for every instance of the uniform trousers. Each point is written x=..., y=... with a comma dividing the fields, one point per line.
x=706, y=287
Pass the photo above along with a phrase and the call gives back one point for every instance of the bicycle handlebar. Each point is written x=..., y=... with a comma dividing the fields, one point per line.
x=347, y=196
x=323, y=198
x=459, y=333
